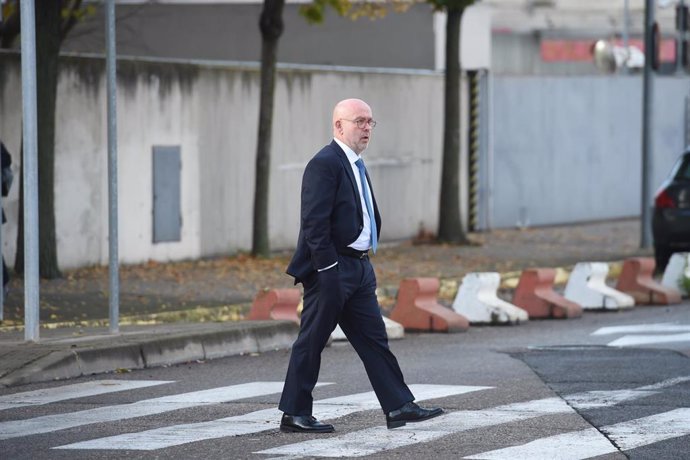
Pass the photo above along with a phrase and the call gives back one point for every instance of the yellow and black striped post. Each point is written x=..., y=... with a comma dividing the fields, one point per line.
x=474, y=149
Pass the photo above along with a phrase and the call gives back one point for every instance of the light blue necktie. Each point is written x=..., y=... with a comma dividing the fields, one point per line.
x=367, y=200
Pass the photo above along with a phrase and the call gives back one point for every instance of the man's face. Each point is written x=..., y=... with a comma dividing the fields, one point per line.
x=350, y=133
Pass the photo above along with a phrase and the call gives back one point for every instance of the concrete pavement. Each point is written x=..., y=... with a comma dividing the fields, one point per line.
x=169, y=333
x=72, y=352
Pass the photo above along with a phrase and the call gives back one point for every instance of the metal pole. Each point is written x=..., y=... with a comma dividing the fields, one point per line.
x=111, y=70
x=679, y=39
x=490, y=152
x=626, y=35
x=646, y=229
x=30, y=166
x=2, y=291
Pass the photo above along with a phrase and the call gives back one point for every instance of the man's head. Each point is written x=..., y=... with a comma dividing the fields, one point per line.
x=348, y=116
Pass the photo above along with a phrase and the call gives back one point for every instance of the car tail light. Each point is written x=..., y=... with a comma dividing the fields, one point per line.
x=664, y=200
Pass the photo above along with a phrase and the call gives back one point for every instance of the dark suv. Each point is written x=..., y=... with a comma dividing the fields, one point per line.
x=671, y=220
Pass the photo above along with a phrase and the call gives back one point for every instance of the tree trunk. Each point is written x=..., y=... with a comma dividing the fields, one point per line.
x=9, y=28
x=450, y=227
x=48, y=19
x=271, y=26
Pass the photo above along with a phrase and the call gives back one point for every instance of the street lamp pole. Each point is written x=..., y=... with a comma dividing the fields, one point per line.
x=646, y=230
x=626, y=35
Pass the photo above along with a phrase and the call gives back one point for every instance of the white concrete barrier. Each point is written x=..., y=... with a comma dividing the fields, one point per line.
x=587, y=287
x=393, y=330
x=677, y=268
x=477, y=301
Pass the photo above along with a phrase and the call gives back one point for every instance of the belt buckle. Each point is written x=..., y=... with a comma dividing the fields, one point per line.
x=362, y=255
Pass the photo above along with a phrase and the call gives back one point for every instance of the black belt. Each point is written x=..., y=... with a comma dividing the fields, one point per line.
x=350, y=252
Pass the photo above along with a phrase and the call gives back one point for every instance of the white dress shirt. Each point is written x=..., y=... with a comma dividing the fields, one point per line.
x=363, y=241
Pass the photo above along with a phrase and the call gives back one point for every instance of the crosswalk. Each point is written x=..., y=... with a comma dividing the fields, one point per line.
x=624, y=435
x=256, y=422
x=646, y=334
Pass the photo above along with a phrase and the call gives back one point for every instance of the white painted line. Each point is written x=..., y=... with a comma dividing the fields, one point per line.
x=632, y=329
x=569, y=446
x=666, y=383
x=648, y=430
x=77, y=390
x=254, y=422
x=378, y=439
x=595, y=399
x=630, y=340
x=51, y=423
x=589, y=443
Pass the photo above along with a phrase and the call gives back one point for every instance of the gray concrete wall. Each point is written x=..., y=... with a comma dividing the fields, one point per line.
x=566, y=149
x=211, y=112
x=230, y=32
x=569, y=149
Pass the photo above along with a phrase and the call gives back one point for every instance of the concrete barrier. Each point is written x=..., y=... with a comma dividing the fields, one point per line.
x=636, y=279
x=587, y=287
x=276, y=304
x=417, y=308
x=534, y=294
x=677, y=268
x=478, y=302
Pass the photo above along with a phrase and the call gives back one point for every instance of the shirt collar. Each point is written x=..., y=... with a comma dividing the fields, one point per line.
x=351, y=155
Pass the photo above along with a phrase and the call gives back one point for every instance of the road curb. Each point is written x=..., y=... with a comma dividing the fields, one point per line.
x=152, y=349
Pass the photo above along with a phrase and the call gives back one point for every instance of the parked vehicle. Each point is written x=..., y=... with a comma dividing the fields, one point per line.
x=671, y=219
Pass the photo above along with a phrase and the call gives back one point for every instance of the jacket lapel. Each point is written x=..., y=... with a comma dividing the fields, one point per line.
x=350, y=174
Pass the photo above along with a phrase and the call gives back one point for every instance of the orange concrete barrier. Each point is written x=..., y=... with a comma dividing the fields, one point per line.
x=535, y=294
x=636, y=280
x=417, y=309
x=276, y=304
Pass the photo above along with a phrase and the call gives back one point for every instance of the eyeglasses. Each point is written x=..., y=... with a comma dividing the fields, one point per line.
x=362, y=122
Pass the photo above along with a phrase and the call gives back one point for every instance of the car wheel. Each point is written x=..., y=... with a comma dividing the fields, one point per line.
x=662, y=254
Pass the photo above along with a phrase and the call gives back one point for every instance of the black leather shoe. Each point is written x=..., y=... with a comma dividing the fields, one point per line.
x=410, y=412
x=303, y=424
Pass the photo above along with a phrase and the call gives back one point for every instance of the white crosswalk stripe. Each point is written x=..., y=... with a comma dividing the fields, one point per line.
x=255, y=422
x=593, y=399
x=576, y=445
x=646, y=334
x=568, y=446
x=77, y=390
x=50, y=423
x=370, y=441
x=377, y=439
x=591, y=443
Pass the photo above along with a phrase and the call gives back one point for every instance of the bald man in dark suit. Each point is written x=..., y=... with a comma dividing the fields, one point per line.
x=340, y=224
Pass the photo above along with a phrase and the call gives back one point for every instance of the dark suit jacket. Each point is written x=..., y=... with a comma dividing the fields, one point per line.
x=331, y=212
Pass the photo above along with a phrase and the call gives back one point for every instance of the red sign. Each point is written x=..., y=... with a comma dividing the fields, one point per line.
x=581, y=50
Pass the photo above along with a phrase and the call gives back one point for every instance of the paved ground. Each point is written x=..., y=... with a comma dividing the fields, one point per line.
x=185, y=311
x=222, y=288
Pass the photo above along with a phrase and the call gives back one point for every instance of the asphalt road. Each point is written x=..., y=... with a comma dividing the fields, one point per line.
x=610, y=385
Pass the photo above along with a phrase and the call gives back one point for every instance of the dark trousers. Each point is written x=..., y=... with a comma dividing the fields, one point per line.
x=360, y=319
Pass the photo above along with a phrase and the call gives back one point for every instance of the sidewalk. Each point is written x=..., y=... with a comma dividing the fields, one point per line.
x=186, y=311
